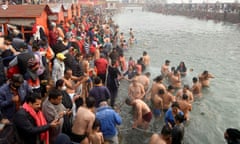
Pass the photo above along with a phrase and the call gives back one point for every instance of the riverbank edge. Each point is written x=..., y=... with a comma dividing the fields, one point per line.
x=206, y=15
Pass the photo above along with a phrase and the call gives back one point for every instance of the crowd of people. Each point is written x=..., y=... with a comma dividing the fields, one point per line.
x=62, y=88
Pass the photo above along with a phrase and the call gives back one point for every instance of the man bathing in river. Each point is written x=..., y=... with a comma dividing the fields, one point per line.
x=204, y=78
x=143, y=113
x=185, y=106
x=163, y=138
x=158, y=103
x=146, y=58
x=165, y=68
x=144, y=80
x=185, y=90
x=168, y=98
x=136, y=90
x=196, y=88
x=156, y=86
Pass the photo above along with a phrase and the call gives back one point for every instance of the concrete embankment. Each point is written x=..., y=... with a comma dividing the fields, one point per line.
x=226, y=16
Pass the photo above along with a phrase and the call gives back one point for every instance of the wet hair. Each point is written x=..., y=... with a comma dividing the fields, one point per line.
x=175, y=72
x=161, y=91
x=59, y=83
x=170, y=87
x=179, y=117
x=186, y=86
x=175, y=104
x=96, y=124
x=167, y=61
x=184, y=97
x=166, y=130
x=172, y=69
x=205, y=72
x=158, y=78
x=128, y=101
x=97, y=80
x=182, y=64
x=148, y=74
x=54, y=94
x=90, y=102
x=194, y=79
x=144, y=53
x=32, y=97
x=233, y=135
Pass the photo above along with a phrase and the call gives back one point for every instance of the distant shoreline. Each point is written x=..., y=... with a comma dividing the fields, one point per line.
x=218, y=12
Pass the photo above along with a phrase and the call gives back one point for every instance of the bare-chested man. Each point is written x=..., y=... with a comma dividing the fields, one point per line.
x=158, y=103
x=175, y=80
x=168, y=98
x=96, y=137
x=185, y=90
x=196, y=88
x=121, y=37
x=136, y=90
x=144, y=80
x=82, y=125
x=143, y=113
x=72, y=82
x=163, y=138
x=146, y=58
x=165, y=68
x=156, y=86
x=97, y=52
x=185, y=106
x=204, y=78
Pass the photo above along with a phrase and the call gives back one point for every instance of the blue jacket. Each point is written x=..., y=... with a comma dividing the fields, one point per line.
x=169, y=118
x=108, y=119
x=7, y=107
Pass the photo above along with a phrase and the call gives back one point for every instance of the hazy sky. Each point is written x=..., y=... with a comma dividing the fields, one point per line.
x=200, y=1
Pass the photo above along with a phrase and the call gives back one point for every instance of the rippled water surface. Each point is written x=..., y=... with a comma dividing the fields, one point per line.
x=203, y=45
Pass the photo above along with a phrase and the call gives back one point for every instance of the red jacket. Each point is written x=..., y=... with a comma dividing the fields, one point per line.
x=101, y=65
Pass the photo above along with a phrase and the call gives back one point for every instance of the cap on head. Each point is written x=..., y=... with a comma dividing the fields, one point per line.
x=60, y=56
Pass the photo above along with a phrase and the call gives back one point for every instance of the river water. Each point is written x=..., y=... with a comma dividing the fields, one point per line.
x=202, y=45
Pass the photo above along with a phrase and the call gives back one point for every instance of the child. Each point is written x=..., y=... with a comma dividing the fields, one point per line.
x=96, y=137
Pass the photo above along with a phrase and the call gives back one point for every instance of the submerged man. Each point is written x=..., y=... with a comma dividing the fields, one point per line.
x=196, y=88
x=163, y=138
x=165, y=68
x=204, y=78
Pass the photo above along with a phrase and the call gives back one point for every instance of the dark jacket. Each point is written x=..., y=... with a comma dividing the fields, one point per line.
x=100, y=93
x=7, y=107
x=27, y=129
